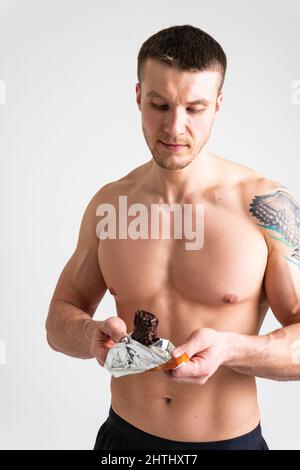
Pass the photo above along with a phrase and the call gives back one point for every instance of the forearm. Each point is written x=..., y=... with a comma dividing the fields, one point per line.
x=69, y=330
x=273, y=356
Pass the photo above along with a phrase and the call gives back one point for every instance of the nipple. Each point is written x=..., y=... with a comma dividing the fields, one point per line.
x=230, y=298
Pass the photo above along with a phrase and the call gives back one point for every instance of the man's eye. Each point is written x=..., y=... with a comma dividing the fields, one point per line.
x=160, y=107
x=196, y=110
x=165, y=106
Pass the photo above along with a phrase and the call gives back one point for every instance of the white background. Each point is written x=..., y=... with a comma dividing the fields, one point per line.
x=69, y=69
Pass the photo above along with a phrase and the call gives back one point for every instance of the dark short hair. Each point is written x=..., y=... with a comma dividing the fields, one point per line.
x=184, y=47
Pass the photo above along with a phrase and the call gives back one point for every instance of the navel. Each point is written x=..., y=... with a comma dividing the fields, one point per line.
x=168, y=400
x=230, y=298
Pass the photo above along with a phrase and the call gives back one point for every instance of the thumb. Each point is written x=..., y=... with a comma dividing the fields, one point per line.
x=183, y=348
x=190, y=348
x=198, y=341
x=118, y=335
x=115, y=327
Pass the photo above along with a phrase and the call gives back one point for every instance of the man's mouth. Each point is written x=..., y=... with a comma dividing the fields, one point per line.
x=172, y=146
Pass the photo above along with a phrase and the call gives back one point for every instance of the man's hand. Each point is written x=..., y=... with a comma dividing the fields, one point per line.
x=207, y=349
x=105, y=336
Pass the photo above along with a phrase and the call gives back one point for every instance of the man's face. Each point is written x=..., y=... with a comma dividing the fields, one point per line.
x=171, y=119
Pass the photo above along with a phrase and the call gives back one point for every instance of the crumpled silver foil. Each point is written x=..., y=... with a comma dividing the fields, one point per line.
x=131, y=357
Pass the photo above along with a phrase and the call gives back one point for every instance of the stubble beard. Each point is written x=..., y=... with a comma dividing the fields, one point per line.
x=166, y=161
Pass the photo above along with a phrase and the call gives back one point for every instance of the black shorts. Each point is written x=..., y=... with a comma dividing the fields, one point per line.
x=117, y=434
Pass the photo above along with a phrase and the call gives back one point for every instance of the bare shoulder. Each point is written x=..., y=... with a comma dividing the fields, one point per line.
x=243, y=182
x=247, y=181
x=238, y=175
x=260, y=192
x=260, y=198
x=122, y=186
x=107, y=194
x=276, y=213
x=259, y=185
x=265, y=192
x=271, y=206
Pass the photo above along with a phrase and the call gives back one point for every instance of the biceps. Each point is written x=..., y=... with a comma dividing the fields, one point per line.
x=282, y=286
x=81, y=282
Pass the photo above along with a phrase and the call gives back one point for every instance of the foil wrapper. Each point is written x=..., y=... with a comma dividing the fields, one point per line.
x=132, y=357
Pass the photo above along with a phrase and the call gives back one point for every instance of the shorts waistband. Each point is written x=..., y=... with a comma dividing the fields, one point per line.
x=131, y=431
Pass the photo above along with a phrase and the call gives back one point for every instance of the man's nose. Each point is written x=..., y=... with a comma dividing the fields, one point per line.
x=175, y=122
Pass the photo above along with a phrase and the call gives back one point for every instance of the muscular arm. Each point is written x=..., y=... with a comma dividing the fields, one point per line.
x=273, y=356
x=78, y=292
x=70, y=329
x=277, y=354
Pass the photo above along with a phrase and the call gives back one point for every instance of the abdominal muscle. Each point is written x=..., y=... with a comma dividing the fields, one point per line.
x=223, y=408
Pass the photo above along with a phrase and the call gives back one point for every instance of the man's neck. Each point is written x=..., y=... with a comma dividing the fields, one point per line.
x=175, y=185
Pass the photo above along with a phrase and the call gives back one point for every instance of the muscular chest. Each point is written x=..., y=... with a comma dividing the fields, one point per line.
x=229, y=267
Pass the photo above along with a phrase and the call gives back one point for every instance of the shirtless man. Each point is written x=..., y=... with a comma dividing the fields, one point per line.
x=210, y=302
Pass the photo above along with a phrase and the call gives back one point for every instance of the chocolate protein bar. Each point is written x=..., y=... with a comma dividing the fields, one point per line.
x=145, y=327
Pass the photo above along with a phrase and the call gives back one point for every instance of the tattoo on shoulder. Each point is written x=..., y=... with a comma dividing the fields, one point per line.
x=279, y=212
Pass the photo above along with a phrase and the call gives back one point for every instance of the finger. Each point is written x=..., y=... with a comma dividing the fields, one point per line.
x=195, y=344
x=109, y=342
x=102, y=354
x=115, y=328
x=196, y=367
x=200, y=340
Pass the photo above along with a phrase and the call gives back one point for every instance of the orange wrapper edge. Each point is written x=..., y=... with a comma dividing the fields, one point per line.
x=172, y=363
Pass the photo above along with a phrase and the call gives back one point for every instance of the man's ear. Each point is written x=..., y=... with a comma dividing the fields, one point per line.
x=219, y=101
x=138, y=95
